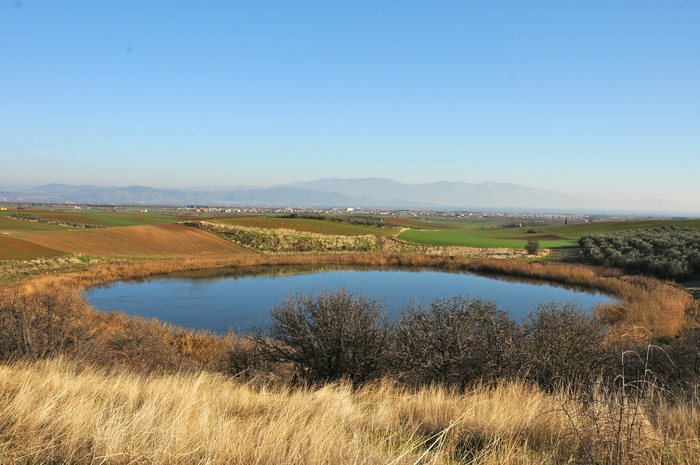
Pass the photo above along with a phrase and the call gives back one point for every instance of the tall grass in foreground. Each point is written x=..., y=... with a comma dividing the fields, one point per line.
x=55, y=412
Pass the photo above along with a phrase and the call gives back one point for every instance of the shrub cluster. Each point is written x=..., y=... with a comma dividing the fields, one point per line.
x=454, y=342
x=48, y=320
x=460, y=340
x=532, y=247
x=340, y=336
x=667, y=252
x=284, y=240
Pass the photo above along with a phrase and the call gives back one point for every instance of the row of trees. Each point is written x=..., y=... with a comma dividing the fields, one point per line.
x=669, y=252
x=454, y=342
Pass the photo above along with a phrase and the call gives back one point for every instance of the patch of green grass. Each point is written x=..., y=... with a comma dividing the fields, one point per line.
x=100, y=218
x=483, y=235
x=127, y=218
x=12, y=225
x=474, y=238
x=306, y=225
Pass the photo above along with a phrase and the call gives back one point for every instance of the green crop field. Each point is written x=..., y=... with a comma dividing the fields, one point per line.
x=98, y=217
x=480, y=234
x=307, y=225
x=12, y=225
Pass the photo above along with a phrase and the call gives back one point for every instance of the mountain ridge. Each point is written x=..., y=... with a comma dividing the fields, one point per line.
x=330, y=193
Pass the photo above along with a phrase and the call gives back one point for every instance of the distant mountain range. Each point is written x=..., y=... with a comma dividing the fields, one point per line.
x=331, y=192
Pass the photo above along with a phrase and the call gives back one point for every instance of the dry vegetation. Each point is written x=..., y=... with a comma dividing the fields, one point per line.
x=281, y=240
x=645, y=306
x=165, y=394
x=55, y=412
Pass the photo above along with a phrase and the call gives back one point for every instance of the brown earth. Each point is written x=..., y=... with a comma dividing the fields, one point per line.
x=12, y=248
x=137, y=241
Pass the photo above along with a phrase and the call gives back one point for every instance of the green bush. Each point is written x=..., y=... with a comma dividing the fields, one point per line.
x=532, y=247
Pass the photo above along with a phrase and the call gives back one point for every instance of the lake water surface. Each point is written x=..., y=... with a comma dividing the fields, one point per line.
x=241, y=300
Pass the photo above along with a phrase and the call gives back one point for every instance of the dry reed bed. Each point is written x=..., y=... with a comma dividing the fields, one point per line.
x=646, y=306
x=54, y=412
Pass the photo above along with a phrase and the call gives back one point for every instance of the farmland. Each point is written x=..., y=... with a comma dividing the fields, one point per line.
x=135, y=241
x=12, y=248
x=320, y=226
x=55, y=345
x=480, y=234
x=98, y=217
x=45, y=233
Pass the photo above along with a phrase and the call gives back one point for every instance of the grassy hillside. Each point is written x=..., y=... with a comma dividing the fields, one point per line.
x=12, y=248
x=12, y=225
x=56, y=412
x=320, y=226
x=100, y=217
x=480, y=234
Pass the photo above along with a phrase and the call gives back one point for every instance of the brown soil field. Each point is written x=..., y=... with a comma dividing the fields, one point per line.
x=12, y=248
x=137, y=241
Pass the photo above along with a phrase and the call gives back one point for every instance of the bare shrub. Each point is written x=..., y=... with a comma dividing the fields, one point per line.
x=246, y=360
x=455, y=342
x=328, y=336
x=41, y=321
x=562, y=344
x=51, y=318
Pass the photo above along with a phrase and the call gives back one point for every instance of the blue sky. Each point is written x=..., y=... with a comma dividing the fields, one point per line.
x=589, y=98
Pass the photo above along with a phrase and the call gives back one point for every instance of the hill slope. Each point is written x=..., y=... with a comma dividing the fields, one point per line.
x=137, y=241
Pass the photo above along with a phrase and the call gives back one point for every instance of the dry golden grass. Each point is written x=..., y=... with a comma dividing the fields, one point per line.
x=56, y=412
x=136, y=241
x=59, y=412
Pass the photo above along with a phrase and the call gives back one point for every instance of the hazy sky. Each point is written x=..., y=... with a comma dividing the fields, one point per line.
x=591, y=98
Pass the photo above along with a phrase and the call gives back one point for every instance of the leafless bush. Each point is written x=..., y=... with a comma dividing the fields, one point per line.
x=39, y=322
x=328, y=336
x=562, y=344
x=454, y=342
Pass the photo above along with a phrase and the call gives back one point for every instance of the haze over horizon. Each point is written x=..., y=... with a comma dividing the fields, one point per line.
x=343, y=192
x=590, y=100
